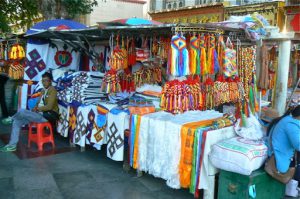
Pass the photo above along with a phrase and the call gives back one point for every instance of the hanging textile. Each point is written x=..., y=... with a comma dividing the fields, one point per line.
x=212, y=56
x=117, y=123
x=203, y=56
x=229, y=62
x=178, y=61
x=63, y=122
x=131, y=52
x=36, y=56
x=221, y=52
x=194, y=54
x=164, y=47
x=187, y=140
x=118, y=58
x=264, y=69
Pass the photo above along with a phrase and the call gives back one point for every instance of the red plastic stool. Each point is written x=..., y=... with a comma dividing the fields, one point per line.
x=40, y=137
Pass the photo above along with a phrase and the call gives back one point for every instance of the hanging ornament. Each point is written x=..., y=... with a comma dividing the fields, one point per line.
x=131, y=53
x=111, y=82
x=16, y=70
x=203, y=59
x=212, y=56
x=16, y=52
x=194, y=53
x=118, y=57
x=229, y=62
x=178, y=62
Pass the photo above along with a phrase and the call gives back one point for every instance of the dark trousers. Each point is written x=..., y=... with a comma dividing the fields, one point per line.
x=3, y=80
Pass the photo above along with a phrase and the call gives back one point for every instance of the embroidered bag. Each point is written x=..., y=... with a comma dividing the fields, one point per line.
x=229, y=62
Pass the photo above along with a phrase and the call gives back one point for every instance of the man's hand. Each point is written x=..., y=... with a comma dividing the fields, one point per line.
x=35, y=109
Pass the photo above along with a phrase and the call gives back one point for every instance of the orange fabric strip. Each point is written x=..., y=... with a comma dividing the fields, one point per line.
x=187, y=146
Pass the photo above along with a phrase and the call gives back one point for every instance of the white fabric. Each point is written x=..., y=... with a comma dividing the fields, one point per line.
x=117, y=124
x=207, y=169
x=159, y=142
x=23, y=97
x=98, y=134
x=149, y=87
x=50, y=61
x=43, y=52
x=239, y=155
x=63, y=123
x=81, y=125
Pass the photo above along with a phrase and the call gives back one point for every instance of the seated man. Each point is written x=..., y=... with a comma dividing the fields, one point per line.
x=45, y=110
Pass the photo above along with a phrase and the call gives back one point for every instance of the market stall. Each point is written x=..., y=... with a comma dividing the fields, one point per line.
x=168, y=84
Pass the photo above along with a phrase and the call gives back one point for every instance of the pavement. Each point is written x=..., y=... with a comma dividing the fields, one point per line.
x=66, y=172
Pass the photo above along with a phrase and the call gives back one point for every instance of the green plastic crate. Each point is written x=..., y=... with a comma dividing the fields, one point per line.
x=236, y=186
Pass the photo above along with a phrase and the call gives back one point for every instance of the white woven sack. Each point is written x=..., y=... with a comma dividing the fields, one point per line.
x=238, y=155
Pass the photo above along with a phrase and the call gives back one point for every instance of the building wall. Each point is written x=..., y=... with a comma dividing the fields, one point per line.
x=163, y=4
x=108, y=10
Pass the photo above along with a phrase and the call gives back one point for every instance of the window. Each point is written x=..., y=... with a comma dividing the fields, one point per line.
x=180, y=4
x=174, y=5
x=169, y=6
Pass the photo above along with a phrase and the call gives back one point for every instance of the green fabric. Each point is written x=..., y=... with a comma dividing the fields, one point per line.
x=193, y=174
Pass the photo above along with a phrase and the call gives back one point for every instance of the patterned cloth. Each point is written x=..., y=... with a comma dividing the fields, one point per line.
x=117, y=123
x=36, y=55
x=63, y=122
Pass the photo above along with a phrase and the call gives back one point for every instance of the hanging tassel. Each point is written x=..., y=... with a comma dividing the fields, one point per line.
x=212, y=57
x=194, y=55
x=178, y=62
x=203, y=60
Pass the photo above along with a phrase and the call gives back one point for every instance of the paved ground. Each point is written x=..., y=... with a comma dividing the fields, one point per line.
x=74, y=174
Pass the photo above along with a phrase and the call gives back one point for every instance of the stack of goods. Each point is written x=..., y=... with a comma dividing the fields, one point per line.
x=87, y=88
x=181, y=165
x=81, y=87
x=179, y=96
x=149, y=90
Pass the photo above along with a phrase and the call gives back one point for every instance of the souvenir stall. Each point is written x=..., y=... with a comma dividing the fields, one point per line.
x=166, y=84
x=208, y=66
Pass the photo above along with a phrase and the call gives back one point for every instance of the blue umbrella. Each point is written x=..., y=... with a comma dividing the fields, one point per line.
x=56, y=24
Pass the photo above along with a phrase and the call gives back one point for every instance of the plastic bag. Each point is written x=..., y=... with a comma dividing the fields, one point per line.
x=252, y=131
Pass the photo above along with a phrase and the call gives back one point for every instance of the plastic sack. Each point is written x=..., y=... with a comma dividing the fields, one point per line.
x=253, y=129
x=238, y=155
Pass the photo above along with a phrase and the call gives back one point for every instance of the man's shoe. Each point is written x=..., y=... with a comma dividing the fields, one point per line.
x=7, y=120
x=8, y=148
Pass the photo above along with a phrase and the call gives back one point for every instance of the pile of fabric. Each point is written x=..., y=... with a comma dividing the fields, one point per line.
x=182, y=165
x=81, y=87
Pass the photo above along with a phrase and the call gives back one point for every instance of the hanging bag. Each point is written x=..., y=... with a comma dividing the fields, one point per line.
x=229, y=62
x=270, y=167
